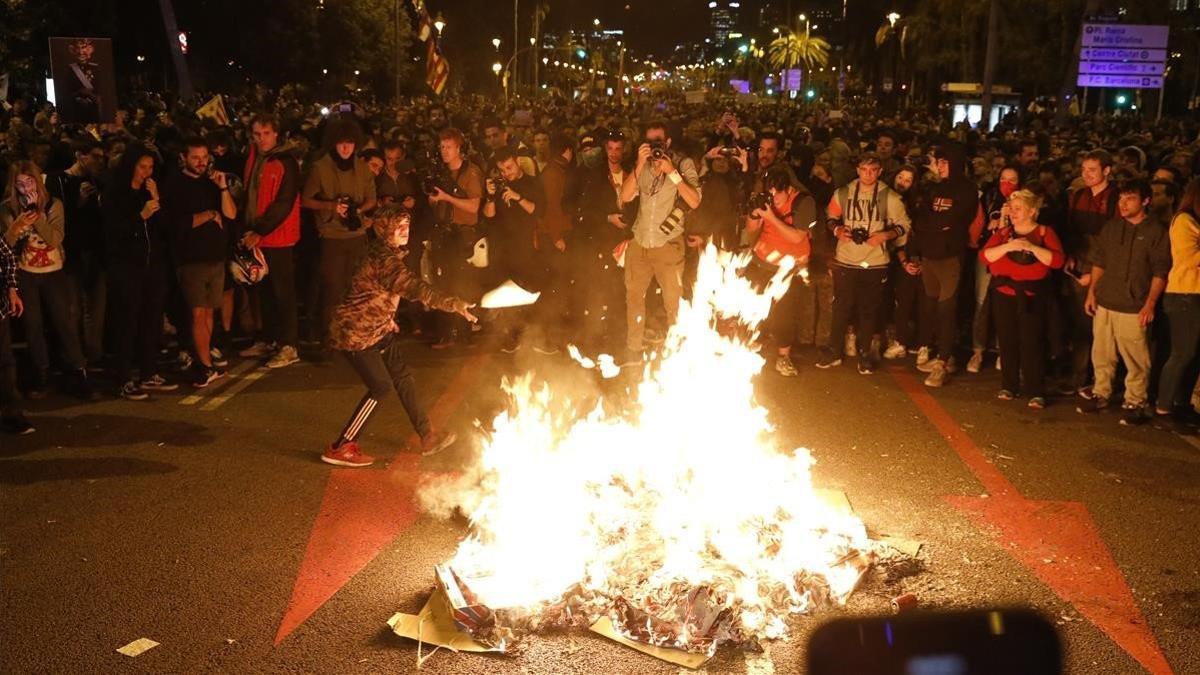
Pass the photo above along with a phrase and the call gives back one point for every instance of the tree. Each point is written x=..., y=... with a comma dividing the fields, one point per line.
x=793, y=48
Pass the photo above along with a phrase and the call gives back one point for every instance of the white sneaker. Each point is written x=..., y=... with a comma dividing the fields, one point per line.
x=922, y=356
x=851, y=344
x=997, y=363
x=895, y=351
x=286, y=356
x=975, y=364
x=937, y=375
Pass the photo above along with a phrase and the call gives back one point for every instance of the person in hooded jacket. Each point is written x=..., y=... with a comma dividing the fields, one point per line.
x=363, y=329
x=951, y=217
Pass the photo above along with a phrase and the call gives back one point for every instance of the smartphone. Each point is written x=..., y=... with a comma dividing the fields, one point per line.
x=973, y=642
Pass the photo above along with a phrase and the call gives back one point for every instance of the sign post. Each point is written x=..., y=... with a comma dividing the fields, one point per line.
x=1125, y=56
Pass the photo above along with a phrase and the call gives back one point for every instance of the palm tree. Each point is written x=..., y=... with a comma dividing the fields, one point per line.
x=793, y=48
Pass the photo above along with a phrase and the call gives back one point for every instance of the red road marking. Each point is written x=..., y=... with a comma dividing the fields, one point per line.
x=1081, y=569
x=362, y=512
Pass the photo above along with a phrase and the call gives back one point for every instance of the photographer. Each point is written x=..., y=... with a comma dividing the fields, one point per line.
x=340, y=186
x=660, y=180
x=514, y=205
x=602, y=226
x=456, y=215
x=200, y=213
x=1020, y=258
x=865, y=216
x=781, y=220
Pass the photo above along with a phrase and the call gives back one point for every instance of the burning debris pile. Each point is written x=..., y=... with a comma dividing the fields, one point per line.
x=677, y=519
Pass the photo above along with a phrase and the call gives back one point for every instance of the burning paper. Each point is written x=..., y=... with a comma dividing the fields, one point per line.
x=678, y=518
x=508, y=294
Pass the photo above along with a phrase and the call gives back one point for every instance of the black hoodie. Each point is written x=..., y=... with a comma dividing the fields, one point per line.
x=941, y=227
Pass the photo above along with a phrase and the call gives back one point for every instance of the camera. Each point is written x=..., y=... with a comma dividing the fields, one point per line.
x=859, y=235
x=353, y=222
x=437, y=176
x=758, y=200
x=500, y=184
x=658, y=149
x=729, y=151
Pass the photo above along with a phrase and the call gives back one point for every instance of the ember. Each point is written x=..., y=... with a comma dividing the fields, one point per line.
x=677, y=518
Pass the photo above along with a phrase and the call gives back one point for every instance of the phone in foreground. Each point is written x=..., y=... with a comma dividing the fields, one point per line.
x=976, y=642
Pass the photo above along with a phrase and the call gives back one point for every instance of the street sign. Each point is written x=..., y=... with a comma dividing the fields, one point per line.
x=1120, y=68
x=793, y=79
x=1121, y=81
x=1125, y=36
x=1100, y=54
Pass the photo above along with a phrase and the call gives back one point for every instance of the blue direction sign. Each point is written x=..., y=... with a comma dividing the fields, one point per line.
x=1121, y=81
x=1120, y=68
x=1102, y=54
x=1125, y=36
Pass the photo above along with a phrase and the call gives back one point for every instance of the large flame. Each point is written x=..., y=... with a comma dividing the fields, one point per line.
x=683, y=489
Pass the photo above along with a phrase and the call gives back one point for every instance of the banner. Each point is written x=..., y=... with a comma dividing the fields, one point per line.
x=85, y=86
x=214, y=110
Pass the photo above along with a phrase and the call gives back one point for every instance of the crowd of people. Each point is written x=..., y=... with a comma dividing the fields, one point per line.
x=1066, y=257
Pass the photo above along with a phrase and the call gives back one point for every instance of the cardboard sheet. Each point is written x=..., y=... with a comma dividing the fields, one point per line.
x=680, y=658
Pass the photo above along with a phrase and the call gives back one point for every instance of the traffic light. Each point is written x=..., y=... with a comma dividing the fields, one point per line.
x=810, y=94
x=1122, y=99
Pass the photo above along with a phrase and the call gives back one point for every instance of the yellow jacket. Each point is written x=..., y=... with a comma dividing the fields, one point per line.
x=1185, y=255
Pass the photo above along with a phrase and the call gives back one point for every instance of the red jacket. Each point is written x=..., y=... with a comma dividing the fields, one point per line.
x=277, y=204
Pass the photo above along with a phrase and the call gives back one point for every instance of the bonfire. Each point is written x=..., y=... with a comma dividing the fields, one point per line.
x=675, y=514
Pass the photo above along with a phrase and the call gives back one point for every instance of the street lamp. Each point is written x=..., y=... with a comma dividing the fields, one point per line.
x=439, y=23
x=496, y=43
x=893, y=18
x=596, y=23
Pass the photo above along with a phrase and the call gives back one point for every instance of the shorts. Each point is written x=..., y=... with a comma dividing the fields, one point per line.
x=203, y=284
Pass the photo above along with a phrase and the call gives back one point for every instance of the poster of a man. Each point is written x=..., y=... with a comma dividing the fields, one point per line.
x=84, y=84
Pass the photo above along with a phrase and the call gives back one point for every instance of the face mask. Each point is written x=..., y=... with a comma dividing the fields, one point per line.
x=1007, y=188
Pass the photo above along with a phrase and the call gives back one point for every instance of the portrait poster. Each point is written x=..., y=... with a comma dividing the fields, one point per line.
x=85, y=86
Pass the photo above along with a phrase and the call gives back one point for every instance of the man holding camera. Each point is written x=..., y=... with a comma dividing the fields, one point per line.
x=865, y=216
x=200, y=213
x=340, y=187
x=456, y=214
x=514, y=205
x=666, y=184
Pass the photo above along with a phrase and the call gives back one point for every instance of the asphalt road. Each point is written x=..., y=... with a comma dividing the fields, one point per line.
x=207, y=523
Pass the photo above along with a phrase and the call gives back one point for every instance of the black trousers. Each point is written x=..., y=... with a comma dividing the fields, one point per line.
x=278, y=295
x=10, y=400
x=908, y=292
x=858, y=294
x=383, y=369
x=138, y=295
x=939, y=308
x=598, y=297
x=1021, y=331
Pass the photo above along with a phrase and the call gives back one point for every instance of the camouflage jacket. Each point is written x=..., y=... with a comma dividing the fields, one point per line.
x=366, y=314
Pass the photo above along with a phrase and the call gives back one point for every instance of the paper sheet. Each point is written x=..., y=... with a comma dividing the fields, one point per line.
x=138, y=647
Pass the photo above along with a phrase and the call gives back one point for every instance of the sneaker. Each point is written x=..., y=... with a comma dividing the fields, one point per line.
x=922, y=357
x=206, y=376
x=218, y=357
x=1086, y=393
x=436, y=441
x=509, y=346
x=851, y=344
x=827, y=359
x=256, y=350
x=1005, y=395
x=132, y=391
x=546, y=350
x=157, y=383
x=18, y=425
x=998, y=368
x=184, y=360
x=937, y=373
x=1037, y=403
x=867, y=365
x=785, y=367
x=286, y=356
x=346, y=454
x=445, y=343
x=895, y=351
x=1092, y=405
x=1134, y=416
x=975, y=363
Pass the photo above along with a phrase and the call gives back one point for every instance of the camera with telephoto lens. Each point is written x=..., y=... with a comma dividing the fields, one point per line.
x=658, y=149
x=859, y=235
x=758, y=201
x=437, y=176
x=353, y=222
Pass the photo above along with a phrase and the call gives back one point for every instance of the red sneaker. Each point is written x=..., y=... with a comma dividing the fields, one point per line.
x=436, y=441
x=347, y=455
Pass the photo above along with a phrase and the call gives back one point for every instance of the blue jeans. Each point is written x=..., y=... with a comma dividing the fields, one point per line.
x=48, y=295
x=1183, y=319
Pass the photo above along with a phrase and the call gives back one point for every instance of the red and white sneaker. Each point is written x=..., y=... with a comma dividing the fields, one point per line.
x=347, y=455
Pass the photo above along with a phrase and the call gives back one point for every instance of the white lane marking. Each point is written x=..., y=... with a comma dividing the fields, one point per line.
x=219, y=400
x=230, y=376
